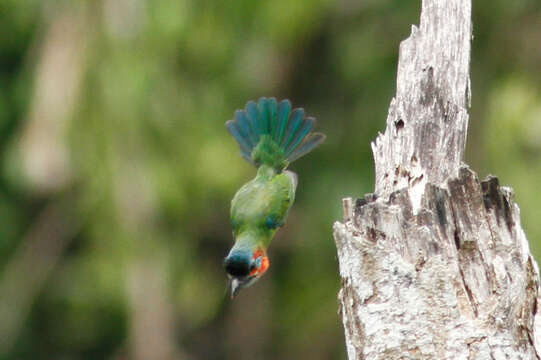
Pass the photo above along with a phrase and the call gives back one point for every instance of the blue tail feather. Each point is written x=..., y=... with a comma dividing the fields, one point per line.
x=294, y=123
x=247, y=157
x=263, y=118
x=244, y=123
x=273, y=113
x=253, y=114
x=270, y=132
x=283, y=116
x=311, y=142
x=241, y=138
x=300, y=135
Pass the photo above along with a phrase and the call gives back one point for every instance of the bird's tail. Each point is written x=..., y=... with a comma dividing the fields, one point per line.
x=271, y=133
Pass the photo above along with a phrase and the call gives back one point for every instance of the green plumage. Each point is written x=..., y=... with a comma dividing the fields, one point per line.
x=261, y=206
x=270, y=136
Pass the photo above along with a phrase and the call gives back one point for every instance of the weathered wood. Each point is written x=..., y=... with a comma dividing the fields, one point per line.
x=435, y=264
x=428, y=120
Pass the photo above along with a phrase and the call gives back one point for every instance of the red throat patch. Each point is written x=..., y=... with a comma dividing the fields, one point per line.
x=265, y=263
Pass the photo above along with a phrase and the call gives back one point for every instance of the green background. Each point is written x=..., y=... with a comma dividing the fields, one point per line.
x=116, y=170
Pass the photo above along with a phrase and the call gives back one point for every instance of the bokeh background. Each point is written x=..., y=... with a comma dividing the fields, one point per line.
x=116, y=171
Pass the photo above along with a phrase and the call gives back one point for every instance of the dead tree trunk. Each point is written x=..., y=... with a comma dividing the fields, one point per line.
x=435, y=264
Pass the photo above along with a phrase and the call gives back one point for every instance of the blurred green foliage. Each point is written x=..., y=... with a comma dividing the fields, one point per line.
x=113, y=111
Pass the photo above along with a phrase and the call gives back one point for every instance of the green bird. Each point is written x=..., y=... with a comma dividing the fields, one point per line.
x=270, y=136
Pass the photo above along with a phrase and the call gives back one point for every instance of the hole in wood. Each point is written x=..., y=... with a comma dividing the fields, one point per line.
x=457, y=240
x=399, y=125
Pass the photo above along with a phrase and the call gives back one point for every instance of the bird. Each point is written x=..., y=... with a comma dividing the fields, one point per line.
x=271, y=136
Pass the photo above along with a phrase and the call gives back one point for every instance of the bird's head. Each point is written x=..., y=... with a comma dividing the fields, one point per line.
x=245, y=266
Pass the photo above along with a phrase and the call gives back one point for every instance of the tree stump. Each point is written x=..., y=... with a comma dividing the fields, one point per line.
x=435, y=264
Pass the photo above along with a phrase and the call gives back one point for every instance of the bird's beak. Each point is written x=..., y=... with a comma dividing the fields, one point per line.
x=235, y=287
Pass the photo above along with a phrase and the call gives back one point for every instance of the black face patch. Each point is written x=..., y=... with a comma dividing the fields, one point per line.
x=238, y=265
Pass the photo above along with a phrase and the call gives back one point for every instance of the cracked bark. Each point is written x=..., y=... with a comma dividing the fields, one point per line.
x=435, y=264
